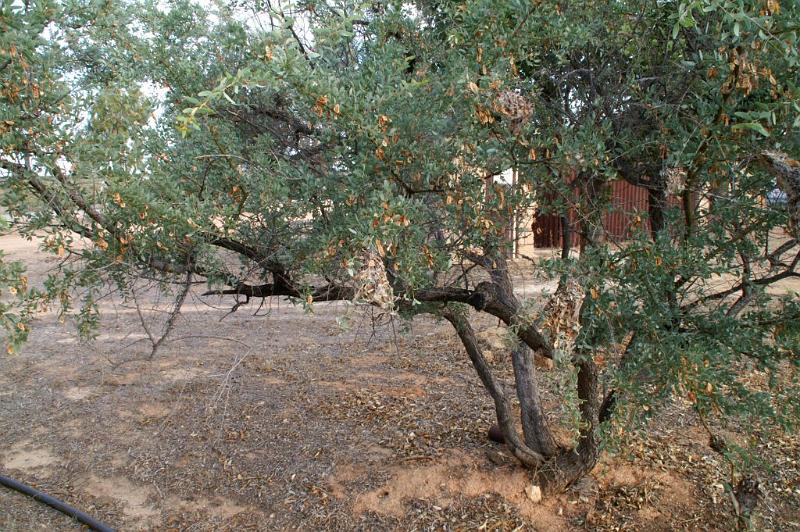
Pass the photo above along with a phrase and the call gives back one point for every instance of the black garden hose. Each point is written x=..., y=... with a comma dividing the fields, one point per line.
x=61, y=506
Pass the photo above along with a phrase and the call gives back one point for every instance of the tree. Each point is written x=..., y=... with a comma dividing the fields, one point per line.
x=347, y=151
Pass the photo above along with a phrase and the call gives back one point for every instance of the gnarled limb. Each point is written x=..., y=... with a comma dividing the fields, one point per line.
x=328, y=292
x=500, y=305
x=487, y=296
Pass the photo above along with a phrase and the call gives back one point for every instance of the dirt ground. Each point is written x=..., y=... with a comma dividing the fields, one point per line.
x=322, y=421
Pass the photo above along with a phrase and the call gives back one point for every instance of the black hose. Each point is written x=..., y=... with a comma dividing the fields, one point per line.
x=62, y=507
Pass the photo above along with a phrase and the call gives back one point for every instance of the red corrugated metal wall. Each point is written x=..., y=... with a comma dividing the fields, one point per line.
x=627, y=200
x=546, y=231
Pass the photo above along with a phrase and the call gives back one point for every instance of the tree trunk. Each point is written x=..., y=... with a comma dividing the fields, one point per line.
x=534, y=424
x=554, y=468
x=571, y=465
x=525, y=454
x=558, y=470
x=589, y=407
x=656, y=204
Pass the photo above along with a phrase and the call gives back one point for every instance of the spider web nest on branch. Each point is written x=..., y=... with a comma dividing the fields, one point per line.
x=515, y=107
x=371, y=283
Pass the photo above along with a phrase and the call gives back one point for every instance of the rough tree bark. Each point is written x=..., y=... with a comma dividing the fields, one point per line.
x=534, y=424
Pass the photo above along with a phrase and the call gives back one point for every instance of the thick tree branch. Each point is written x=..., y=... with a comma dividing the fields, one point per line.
x=77, y=198
x=48, y=196
x=486, y=297
x=535, y=429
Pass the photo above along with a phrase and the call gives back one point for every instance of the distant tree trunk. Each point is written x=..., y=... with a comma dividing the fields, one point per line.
x=592, y=190
x=566, y=237
x=656, y=205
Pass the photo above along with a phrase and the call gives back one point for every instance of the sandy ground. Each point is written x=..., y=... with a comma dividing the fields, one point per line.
x=323, y=421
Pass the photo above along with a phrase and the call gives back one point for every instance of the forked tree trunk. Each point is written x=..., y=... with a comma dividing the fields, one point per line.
x=525, y=454
x=554, y=468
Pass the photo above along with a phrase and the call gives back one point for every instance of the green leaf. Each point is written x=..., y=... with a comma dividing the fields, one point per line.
x=754, y=126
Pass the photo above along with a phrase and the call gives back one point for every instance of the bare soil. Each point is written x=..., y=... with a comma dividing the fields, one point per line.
x=291, y=420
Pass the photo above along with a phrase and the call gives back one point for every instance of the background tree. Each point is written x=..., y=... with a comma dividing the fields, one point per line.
x=347, y=151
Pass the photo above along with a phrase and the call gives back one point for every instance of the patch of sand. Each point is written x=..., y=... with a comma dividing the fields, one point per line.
x=133, y=498
x=27, y=456
x=77, y=393
x=217, y=506
x=441, y=481
x=154, y=410
x=180, y=374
